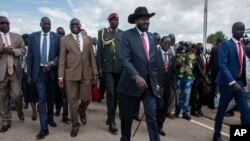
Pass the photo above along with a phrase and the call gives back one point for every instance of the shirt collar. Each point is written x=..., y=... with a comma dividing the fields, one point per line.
x=163, y=51
x=139, y=31
x=235, y=40
x=74, y=35
x=48, y=33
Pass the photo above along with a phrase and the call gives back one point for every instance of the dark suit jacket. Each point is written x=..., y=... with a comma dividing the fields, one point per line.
x=33, y=64
x=213, y=61
x=229, y=65
x=108, y=52
x=166, y=79
x=134, y=62
x=198, y=71
x=18, y=46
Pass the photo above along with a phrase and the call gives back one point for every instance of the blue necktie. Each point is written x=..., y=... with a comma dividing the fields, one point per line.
x=44, y=50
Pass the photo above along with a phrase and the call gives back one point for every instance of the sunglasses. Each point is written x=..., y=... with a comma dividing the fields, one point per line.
x=4, y=23
x=61, y=33
x=74, y=24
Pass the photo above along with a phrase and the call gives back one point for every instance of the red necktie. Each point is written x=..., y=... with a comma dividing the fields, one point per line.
x=144, y=45
x=240, y=58
x=165, y=61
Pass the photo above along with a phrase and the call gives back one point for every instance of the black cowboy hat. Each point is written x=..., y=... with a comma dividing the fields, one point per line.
x=139, y=12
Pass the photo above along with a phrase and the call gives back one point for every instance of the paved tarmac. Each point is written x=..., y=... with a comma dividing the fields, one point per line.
x=198, y=129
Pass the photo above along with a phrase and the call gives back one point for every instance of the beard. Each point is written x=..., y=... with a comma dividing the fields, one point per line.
x=142, y=28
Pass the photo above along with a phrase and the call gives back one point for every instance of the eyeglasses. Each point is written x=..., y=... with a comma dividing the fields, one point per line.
x=74, y=24
x=3, y=23
x=61, y=33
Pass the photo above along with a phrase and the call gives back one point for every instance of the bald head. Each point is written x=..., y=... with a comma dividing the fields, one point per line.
x=45, y=24
x=238, y=30
x=4, y=24
x=75, y=26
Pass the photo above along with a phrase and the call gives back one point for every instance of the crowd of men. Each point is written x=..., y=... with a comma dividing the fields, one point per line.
x=131, y=66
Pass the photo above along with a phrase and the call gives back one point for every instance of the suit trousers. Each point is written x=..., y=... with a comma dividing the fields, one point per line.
x=226, y=95
x=212, y=93
x=111, y=83
x=10, y=87
x=171, y=101
x=78, y=90
x=46, y=89
x=128, y=108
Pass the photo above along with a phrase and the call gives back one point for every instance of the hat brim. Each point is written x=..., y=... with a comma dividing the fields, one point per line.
x=132, y=17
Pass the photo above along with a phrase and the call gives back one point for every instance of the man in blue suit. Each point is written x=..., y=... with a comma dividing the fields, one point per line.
x=232, y=78
x=139, y=74
x=43, y=53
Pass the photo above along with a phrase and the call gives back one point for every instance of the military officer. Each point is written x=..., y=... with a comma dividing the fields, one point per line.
x=109, y=65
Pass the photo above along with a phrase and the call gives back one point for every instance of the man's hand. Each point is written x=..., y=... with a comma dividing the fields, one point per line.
x=237, y=88
x=49, y=65
x=94, y=80
x=10, y=50
x=140, y=82
x=60, y=83
x=157, y=88
x=29, y=81
x=100, y=72
x=207, y=81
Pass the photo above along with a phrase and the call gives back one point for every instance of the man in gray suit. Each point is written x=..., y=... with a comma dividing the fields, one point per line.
x=11, y=48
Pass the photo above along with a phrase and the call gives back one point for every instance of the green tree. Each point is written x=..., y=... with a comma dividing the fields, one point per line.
x=212, y=38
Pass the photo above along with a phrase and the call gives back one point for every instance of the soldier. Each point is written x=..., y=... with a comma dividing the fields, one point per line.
x=109, y=65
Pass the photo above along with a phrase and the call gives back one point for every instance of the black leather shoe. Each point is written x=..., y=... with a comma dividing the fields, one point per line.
x=57, y=114
x=65, y=120
x=136, y=118
x=20, y=116
x=196, y=114
x=229, y=114
x=4, y=128
x=34, y=116
x=112, y=128
x=187, y=117
x=161, y=132
x=200, y=112
x=211, y=107
x=75, y=130
x=42, y=134
x=215, y=138
x=52, y=123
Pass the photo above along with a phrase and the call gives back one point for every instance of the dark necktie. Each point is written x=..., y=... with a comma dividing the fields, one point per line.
x=240, y=58
x=44, y=49
x=144, y=45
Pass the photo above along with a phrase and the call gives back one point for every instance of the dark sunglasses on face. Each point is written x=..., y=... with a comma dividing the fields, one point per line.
x=3, y=23
x=74, y=24
x=61, y=33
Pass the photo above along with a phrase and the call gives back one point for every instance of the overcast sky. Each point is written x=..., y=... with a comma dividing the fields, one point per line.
x=184, y=18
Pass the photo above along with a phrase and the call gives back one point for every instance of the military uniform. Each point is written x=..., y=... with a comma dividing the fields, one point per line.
x=109, y=64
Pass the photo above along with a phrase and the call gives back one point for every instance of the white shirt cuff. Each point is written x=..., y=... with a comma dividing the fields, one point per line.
x=60, y=78
x=231, y=83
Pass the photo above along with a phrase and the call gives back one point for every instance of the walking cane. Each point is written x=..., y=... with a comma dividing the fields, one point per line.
x=139, y=124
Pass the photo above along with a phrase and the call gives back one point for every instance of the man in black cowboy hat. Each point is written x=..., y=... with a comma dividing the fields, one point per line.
x=139, y=74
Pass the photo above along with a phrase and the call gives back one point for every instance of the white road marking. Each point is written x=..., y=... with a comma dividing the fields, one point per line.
x=208, y=127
